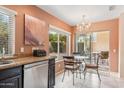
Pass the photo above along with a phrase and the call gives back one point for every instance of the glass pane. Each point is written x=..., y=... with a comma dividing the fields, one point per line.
x=80, y=44
x=62, y=45
x=87, y=44
x=4, y=26
x=53, y=43
x=83, y=45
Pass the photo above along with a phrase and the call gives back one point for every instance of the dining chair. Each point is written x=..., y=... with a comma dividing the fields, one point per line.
x=104, y=57
x=76, y=54
x=70, y=65
x=94, y=66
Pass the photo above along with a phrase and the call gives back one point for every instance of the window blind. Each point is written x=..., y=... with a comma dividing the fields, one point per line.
x=7, y=32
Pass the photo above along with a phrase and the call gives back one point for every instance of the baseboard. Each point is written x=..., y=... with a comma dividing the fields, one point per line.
x=114, y=74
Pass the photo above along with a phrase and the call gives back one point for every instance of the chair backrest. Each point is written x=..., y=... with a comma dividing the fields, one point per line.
x=68, y=60
x=76, y=53
x=98, y=58
x=104, y=54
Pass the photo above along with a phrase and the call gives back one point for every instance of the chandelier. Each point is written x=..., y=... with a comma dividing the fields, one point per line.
x=84, y=26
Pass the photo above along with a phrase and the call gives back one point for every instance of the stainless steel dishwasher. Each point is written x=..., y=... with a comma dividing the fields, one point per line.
x=36, y=75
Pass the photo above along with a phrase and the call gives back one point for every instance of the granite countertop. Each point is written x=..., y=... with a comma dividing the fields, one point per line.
x=23, y=61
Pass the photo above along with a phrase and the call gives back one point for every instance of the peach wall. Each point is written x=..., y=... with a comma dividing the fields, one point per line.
x=38, y=13
x=121, y=46
x=113, y=27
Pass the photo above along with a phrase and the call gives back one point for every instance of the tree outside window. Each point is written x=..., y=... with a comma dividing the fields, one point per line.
x=57, y=44
x=4, y=20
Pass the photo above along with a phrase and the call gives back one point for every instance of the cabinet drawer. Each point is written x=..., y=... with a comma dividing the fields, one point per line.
x=10, y=72
x=13, y=82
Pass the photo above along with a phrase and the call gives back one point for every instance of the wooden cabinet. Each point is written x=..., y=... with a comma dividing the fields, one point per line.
x=51, y=73
x=59, y=67
x=11, y=78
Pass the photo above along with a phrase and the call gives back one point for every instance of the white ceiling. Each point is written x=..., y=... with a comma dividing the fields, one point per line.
x=72, y=14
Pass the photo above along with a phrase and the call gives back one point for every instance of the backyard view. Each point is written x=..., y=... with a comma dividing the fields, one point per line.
x=57, y=44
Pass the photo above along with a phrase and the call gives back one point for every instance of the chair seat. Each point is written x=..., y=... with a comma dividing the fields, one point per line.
x=91, y=66
x=71, y=67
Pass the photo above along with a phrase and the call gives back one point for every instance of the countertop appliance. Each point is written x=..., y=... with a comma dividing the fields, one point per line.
x=36, y=75
x=39, y=53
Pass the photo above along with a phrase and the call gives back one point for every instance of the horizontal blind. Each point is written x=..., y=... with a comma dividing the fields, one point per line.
x=7, y=33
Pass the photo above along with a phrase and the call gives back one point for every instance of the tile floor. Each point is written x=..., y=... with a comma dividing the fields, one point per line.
x=91, y=81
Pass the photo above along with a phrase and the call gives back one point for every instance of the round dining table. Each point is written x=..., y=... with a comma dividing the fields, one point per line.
x=81, y=61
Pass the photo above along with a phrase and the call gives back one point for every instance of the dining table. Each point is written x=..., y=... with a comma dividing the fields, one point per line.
x=81, y=61
x=79, y=58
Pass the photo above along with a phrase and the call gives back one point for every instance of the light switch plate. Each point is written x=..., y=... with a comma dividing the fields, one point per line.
x=22, y=49
x=114, y=50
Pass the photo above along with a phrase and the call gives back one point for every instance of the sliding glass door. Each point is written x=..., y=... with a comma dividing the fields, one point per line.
x=83, y=44
x=92, y=44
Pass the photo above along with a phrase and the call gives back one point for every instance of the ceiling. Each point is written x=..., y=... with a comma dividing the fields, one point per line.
x=72, y=14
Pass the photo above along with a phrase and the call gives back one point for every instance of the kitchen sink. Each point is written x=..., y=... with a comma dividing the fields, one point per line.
x=4, y=62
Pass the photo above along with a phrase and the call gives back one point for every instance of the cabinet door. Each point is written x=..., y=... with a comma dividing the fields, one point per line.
x=13, y=82
x=52, y=76
x=52, y=61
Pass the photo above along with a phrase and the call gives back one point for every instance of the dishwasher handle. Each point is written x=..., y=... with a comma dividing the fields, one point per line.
x=43, y=63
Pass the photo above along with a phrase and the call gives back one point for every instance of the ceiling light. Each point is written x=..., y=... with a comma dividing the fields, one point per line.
x=84, y=26
x=111, y=7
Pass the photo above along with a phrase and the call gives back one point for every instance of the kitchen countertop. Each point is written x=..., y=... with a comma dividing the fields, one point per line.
x=24, y=61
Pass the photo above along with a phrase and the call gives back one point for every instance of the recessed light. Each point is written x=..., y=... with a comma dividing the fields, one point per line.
x=111, y=7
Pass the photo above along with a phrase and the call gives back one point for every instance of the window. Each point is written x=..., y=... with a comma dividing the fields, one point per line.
x=58, y=43
x=53, y=42
x=7, y=30
x=94, y=37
